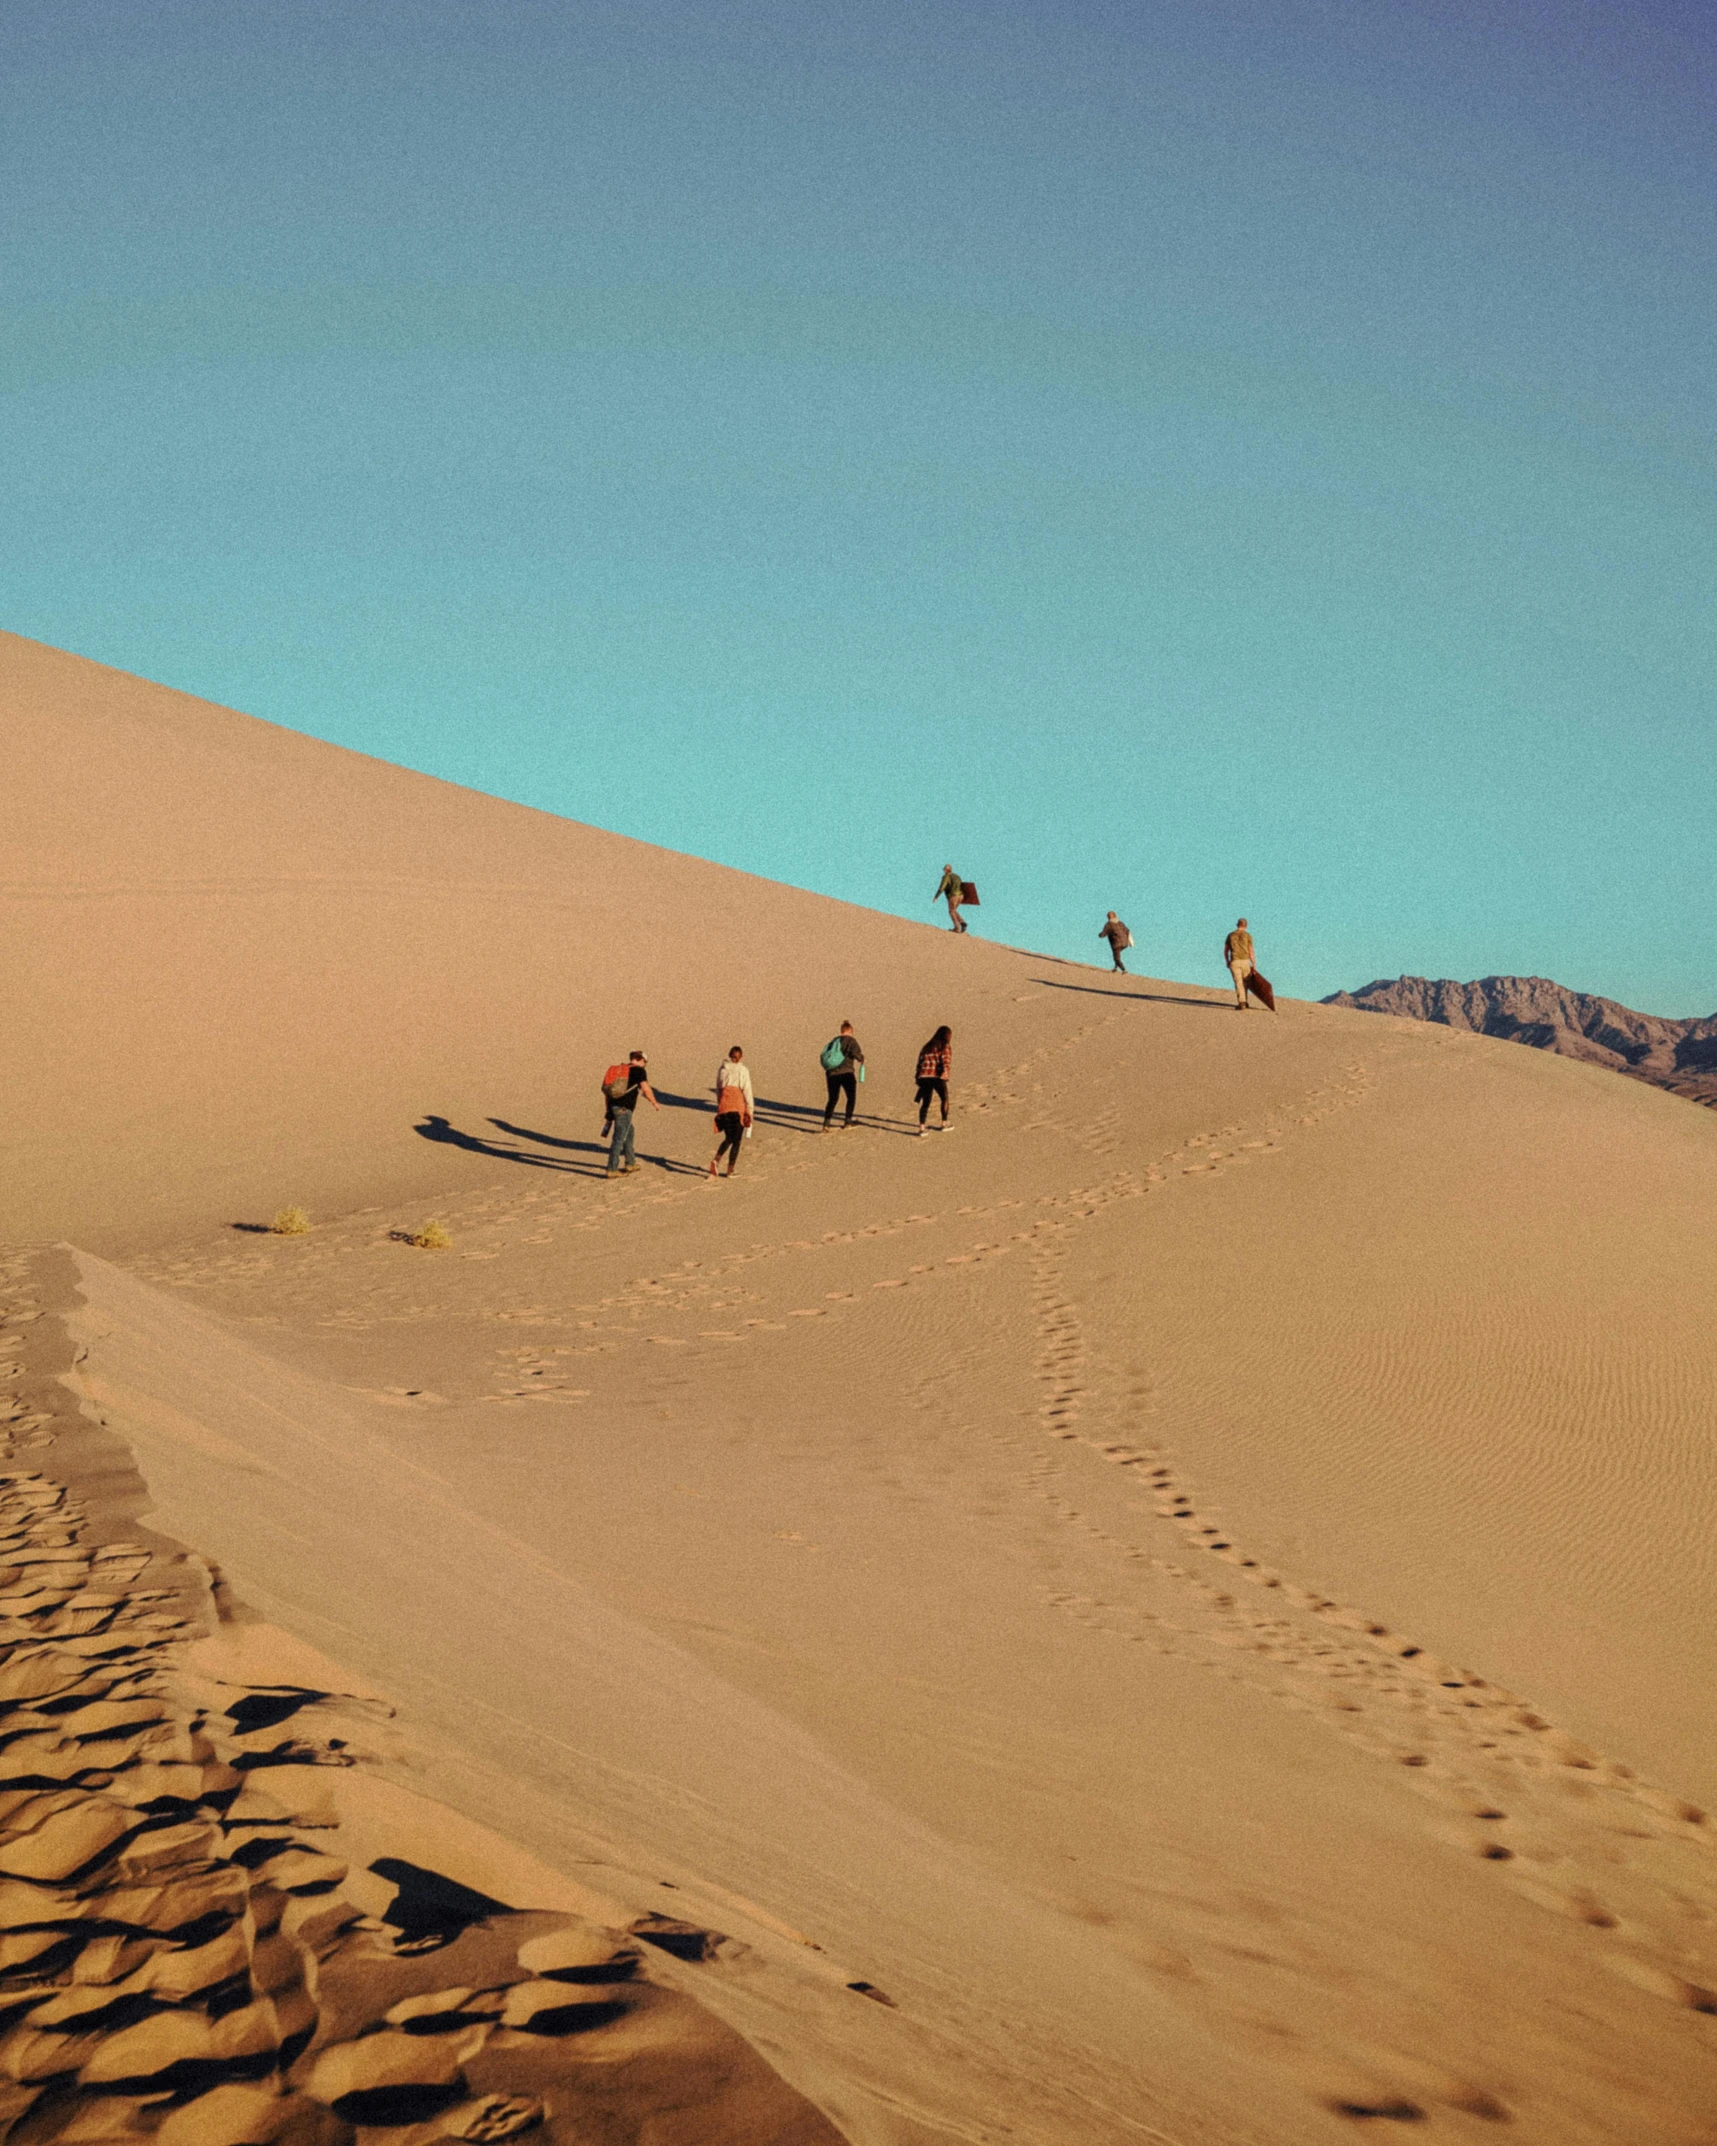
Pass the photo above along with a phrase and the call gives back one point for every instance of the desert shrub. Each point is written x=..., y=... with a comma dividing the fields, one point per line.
x=432, y=1237
x=291, y=1222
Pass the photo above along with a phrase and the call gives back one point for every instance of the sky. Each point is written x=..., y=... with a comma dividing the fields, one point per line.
x=1186, y=457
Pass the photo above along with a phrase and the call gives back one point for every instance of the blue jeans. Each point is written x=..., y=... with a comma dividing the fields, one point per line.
x=620, y=1155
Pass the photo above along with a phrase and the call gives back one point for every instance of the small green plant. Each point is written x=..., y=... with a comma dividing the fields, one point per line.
x=433, y=1237
x=291, y=1222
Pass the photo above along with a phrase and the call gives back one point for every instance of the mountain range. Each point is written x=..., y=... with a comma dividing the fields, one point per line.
x=1678, y=1055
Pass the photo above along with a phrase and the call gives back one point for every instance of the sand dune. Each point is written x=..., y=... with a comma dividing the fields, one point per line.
x=1180, y=1610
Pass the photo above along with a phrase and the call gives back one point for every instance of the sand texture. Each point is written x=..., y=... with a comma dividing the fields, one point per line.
x=212, y=1925
x=1183, y=1609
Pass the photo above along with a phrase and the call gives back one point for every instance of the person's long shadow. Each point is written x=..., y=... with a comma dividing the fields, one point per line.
x=1154, y=998
x=550, y=1140
x=441, y=1130
x=437, y=1128
x=789, y=1117
x=771, y=1111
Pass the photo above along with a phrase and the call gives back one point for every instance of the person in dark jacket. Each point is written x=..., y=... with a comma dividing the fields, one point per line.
x=934, y=1061
x=622, y=1109
x=1119, y=938
x=842, y=1074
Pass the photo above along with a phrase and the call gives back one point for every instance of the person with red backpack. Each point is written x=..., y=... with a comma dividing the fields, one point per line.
x=621, y=1088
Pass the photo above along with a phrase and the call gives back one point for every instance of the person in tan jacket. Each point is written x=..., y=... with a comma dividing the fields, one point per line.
x=1237, y=952
x=735, y=1104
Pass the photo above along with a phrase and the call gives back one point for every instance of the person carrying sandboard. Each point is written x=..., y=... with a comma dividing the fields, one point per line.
x=954, y=890
x=1237, y=952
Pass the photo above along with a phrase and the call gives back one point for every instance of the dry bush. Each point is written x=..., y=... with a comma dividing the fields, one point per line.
x=291, y=1222
x=433, y=1237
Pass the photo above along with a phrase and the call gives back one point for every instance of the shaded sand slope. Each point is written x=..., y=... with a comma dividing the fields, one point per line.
x=1196, y=1585
x=219, y=1923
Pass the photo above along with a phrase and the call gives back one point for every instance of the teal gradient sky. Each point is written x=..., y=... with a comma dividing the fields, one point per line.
x=1185, y=457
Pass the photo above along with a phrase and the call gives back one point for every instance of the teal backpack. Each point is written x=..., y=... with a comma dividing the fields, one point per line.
x=834, y=1056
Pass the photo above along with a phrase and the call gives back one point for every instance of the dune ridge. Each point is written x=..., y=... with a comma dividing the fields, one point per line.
x=1180, y=1610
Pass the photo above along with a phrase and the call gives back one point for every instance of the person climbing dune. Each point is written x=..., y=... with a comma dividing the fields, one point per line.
x=952, y=889
x=843, y=1068
x=1249, y=980
x=734, y=1107
x=621, y=1088
x=1237, y=953
x=934, y=1062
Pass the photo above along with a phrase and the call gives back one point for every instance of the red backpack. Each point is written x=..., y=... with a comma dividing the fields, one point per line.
x=616, y=1082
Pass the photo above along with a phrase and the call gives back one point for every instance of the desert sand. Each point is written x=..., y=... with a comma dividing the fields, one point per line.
x=1180, y=1610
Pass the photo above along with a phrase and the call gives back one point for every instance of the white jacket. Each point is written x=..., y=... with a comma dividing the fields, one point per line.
x=729, y=1076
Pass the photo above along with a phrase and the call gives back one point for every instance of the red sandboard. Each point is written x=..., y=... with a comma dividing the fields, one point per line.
x=1259, y=987
x=968, y=895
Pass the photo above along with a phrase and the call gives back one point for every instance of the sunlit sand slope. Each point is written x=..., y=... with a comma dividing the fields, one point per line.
x=1195, y=1585
x=245, y=967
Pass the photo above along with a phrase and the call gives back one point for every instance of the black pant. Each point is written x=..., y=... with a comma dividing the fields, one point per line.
x=731, y=1126
x=837, y=1083
x=927, y=1089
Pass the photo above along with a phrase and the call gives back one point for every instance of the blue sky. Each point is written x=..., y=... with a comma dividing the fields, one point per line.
x=1185, y=457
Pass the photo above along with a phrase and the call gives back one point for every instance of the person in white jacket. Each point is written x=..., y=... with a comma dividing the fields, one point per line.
x=734, y=1106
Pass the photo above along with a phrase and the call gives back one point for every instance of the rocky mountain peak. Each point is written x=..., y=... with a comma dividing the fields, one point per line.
x=1678, y=1055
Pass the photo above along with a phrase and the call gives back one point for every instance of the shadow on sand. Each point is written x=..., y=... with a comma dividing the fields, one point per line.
x=808, y=1118
x=441, y=1130
x=1152, y=998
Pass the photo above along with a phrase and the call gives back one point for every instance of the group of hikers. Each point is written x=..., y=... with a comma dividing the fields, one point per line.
x=625, y=1086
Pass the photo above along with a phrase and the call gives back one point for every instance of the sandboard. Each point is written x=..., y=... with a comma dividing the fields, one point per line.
x=1259, y=987
x=968, y=895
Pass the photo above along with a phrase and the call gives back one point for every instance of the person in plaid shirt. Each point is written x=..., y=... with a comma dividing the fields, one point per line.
x=933, y=1063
